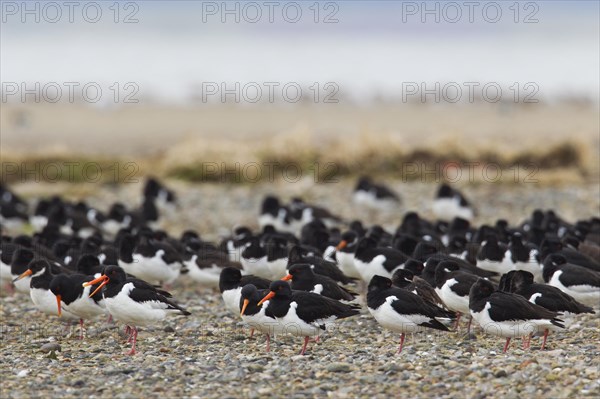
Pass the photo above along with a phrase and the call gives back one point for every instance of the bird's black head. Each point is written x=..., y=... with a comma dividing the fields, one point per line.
x=402, y=278
x=365, y=243
x=445, y=191
x=480, y=290
x=520, y=279
x=423, y=250
x=379, y=283
x=506, y=282
x=298, y=271
x=364, y=184
x=39, y=266
x=241, y=233
x=249, y=291
x=60, y=285
x=114, y=273
x=229, y=278
x=442, y=270
x=270, y=205
x=281, y=288
x=21, y=258
x=552, y=263
x=86, y=263
x=414, y=266
x=23, y=240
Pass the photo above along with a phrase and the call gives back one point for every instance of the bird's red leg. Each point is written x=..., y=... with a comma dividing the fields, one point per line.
x=317, y=338
x=401, y=343
x=546, y=331
x=134, y=336
x=80, y=329
x=304, y=346
x=506, y=345
x=268, y=343
x=458, y=315
x=251, y=332
x=469, y=325
x=110, y=319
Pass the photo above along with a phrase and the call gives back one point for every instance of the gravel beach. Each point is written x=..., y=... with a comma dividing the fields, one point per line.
x=210, y=353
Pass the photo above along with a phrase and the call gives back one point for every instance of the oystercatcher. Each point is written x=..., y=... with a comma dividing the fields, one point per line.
x=75, y=299
x=231, y=282
x=522, y=283
x=524, y=257
x=149, y=259
x=453, y=287
x=41, y=276
x=371, y=260
x=254, y=259
x=345, y=254
x=303, y=313
x=304, y=279
x=375, y=196
x=205, y=266
x=254, y=315
x=406, y=280
x=319, y=265
x=579, y=282
x=19, y=264
x=402, y=311
x=492, y=256
x=508, y=315
x=450, y=203
x=235, y=244
x=133, y=301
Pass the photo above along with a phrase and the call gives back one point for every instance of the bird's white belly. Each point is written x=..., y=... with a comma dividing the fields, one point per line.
x=292, y=324
x=452, y=300
x=346, y=264
x=278, y=268
x=208, y=277
x=586, y=294
x=509, y=328
x=45, y=301
x=257, y=266
x=130, y=312
x=388, y=318
x=232, y=299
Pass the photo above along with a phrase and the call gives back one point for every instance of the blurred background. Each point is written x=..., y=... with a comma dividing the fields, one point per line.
x=369, y=87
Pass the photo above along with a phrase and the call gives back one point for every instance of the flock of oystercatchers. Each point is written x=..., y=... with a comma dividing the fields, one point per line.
x=306, y=267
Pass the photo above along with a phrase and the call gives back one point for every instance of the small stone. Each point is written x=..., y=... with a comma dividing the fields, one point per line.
x=500, y=374
x=50, y=347
x=22, y=373
x=339, y=367
x=169, y=329
x=551, y=377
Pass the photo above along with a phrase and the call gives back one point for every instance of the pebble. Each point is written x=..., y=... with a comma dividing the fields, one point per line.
x=50, y=347
x=339, y=367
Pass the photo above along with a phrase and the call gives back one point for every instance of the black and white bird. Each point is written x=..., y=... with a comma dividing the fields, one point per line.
x=319, y=265
x=371, y=260
x=149, y=259
x=406, y=280
x=450, y=203
x=402, y=311
x=133, y=301
x=254, y=259
x=303, y=313
x=453, y=287
x=19, y=264
x=522, y=283
x=231, y=283
x=303, y=278
x=235, y=244
x=205, y=264
x=579, y=282
x=255, y=316
x=508, y=315
x=375, y=196
x=44, y=300
x=492, y=256
x=72, y=297
x=345, y=254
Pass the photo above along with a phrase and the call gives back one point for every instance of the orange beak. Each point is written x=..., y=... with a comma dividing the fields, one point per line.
x=244, y=306
x=58, y=298
x=341, y=245
x=26, y=273
x=287, y=278
x=267, y=297
x=102, y=279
